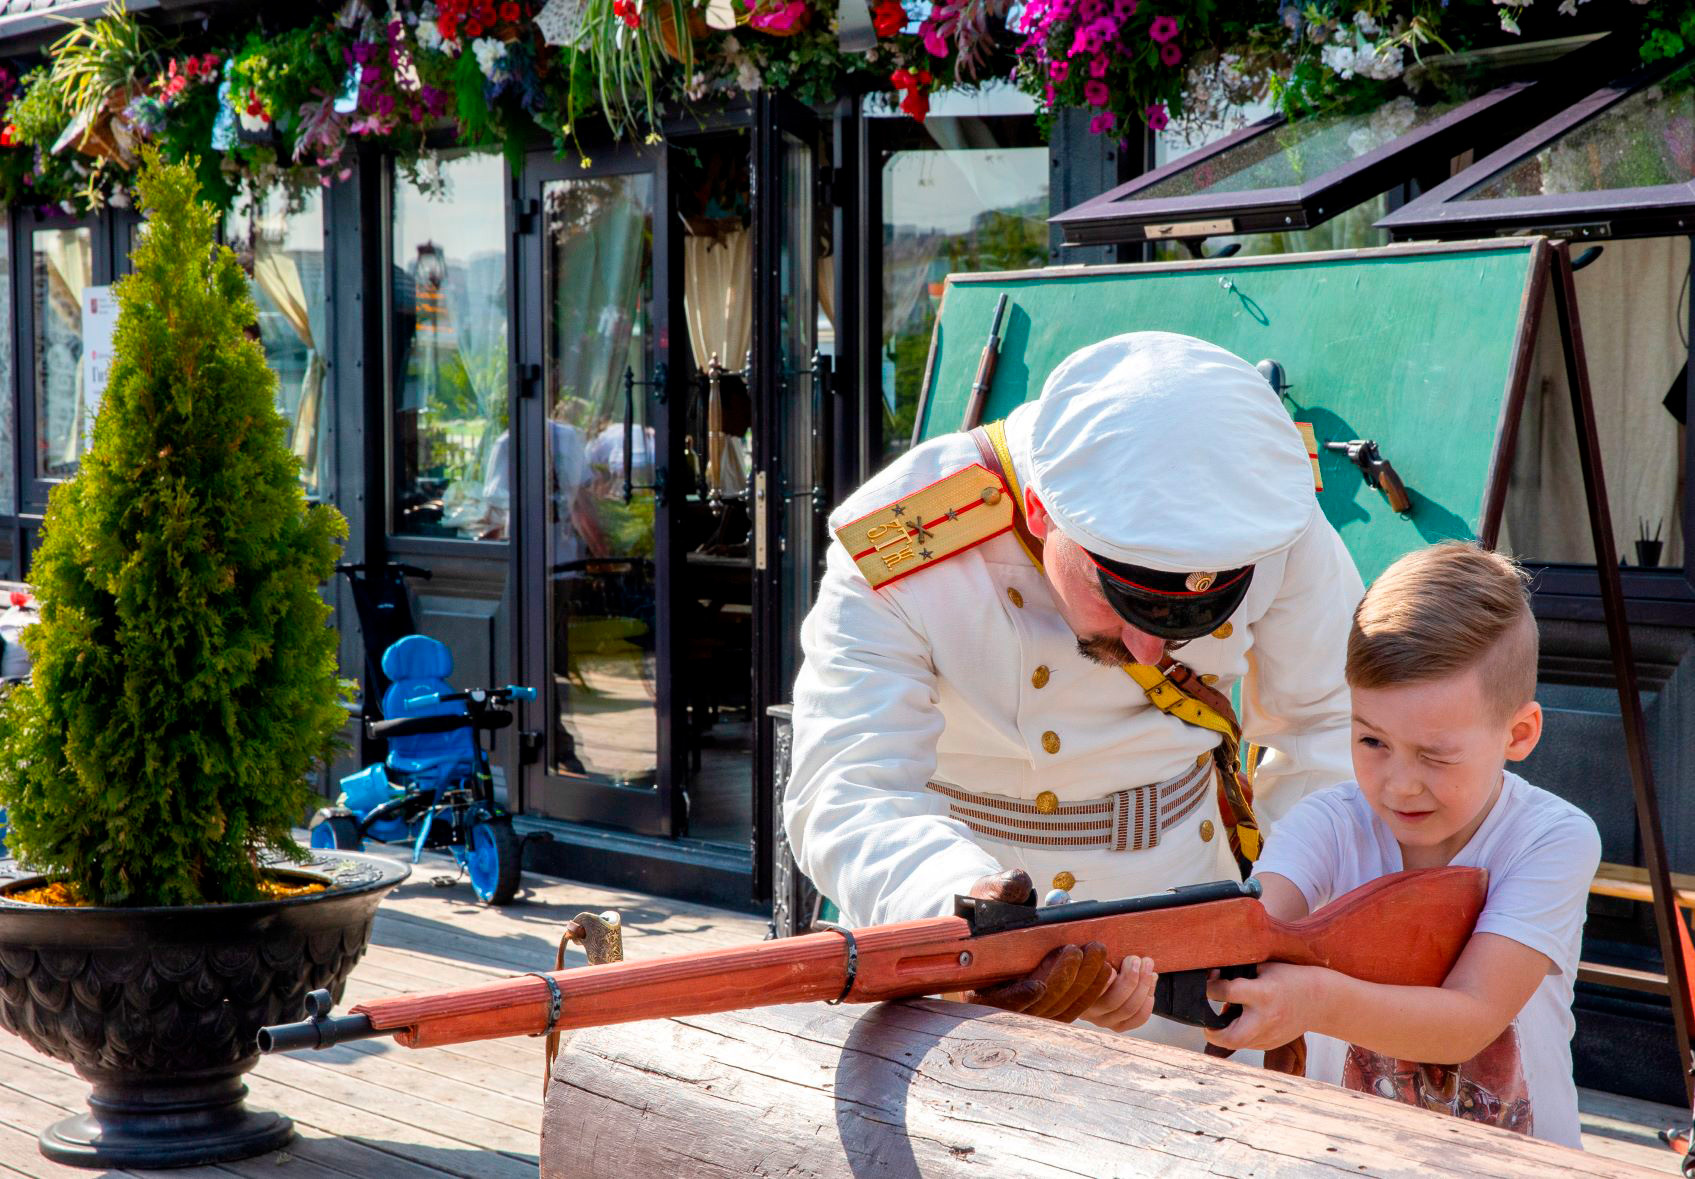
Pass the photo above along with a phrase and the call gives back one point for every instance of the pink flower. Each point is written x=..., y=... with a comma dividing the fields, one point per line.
x=1101, y=122
x=1097, y=66
x=1091, y=10
x=933, y=39
x=1163, y=29
x=1123, y=10
x=1158, y=120
x=1169, y=54
x=1096, y=93
x=1058, y=70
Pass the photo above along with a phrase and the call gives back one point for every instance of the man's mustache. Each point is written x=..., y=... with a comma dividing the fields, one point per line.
x=1107, y=650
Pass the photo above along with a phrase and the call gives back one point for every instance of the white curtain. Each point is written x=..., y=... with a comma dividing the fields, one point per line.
x=278, y=277
x=1631, y=303
x=718, y=296
x=70, y=263
x=718, y=300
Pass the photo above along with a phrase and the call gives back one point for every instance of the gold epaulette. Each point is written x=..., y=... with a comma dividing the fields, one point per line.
x=928, y=526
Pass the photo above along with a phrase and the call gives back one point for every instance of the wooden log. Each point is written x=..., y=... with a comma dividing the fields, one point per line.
x=944, y=1090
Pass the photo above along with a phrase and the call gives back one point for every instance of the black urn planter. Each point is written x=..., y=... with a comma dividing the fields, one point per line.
x=159, y=1009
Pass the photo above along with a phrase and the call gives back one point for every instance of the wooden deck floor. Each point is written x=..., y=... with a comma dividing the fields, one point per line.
x=377, y=1111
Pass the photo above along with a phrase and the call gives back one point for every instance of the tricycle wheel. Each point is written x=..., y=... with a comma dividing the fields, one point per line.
x=335, y=830
x=493, y=858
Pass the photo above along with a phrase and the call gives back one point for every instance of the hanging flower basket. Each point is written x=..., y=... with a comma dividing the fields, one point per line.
x=694, y=23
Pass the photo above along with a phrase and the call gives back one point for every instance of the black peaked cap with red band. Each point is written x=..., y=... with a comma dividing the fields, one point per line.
x=1172, y=605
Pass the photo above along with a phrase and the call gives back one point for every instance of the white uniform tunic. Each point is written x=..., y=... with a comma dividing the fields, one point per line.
x=958, y=673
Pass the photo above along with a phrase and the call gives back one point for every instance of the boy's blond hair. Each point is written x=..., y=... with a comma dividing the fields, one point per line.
x=1443, y=610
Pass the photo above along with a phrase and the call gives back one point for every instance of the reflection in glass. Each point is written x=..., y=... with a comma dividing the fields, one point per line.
x=1642, y=141
x=1352, y=229
x=600, y=352
x=8, y=495
x=1298, y=152
x=284, y=250
x=62, y=264
x=797, y=336
x=449, y=349
x=948, y=211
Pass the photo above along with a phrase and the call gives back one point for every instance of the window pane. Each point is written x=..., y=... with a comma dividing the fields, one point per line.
x=1642, y=141
x=600, y=435
x=948, y=211
x=8, y=498
x=286, y=247
x=1298, y=152
x=448, y=366
x=63, y=264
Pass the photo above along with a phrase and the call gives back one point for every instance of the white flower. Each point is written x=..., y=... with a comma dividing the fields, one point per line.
x=1365, y=24
x=747, y=75
x=697, y=87
x=1339, y=60
x=429, y=36
x=491, y=57
x=1569, y=7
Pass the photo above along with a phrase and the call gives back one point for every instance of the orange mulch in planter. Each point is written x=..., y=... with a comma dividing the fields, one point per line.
x=66, y=895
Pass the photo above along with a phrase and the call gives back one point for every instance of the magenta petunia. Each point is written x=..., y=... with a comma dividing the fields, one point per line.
x=1101, y=122
x=1163, y=29
x=1158, y=120
x=933, y=39
x=1091, y=10
x=1123, y=10
x=1096, y=93
x=1169, y=54
x=1059, y=70
x=1097, y=66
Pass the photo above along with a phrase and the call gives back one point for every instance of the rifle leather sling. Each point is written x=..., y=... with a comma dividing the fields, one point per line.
x=1171, y=687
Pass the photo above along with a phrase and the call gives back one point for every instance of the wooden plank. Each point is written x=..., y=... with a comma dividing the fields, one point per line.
x=1627, y=1129
x=1631, y=884
x=1627, y=977
x=330, y=1112
x=19, y=1153
x=338, y=1085
x=944, y=1089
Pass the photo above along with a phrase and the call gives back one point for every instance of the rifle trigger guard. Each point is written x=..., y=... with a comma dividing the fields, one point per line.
x=554, y=1003
x=1182, y=996
x=852, y=958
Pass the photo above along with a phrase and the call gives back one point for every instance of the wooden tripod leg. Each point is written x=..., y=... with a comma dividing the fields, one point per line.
x=1624, y=664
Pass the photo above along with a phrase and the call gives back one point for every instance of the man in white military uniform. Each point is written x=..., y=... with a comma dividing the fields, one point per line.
x=963, y=711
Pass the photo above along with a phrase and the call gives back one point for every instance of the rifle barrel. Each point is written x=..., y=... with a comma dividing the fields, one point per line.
x=317, y=1033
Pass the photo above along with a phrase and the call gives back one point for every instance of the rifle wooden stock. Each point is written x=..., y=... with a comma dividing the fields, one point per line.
x=1408, y=928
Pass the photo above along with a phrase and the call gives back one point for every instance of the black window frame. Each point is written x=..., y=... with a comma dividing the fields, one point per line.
x=1666, y=210
x=1117, y=216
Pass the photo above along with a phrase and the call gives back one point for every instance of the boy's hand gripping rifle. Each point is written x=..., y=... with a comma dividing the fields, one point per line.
x=1408, y=929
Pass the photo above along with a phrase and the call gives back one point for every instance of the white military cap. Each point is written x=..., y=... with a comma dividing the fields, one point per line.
x=1161, y=450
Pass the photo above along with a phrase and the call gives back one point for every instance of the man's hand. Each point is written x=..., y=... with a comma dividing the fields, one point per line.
x=1068, y=982
x=1275, y=1006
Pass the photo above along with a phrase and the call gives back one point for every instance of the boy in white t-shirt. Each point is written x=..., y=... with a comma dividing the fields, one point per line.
x=1442, y=664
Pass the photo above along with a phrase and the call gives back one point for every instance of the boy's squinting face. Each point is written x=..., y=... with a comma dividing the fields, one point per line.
x=1428, y=759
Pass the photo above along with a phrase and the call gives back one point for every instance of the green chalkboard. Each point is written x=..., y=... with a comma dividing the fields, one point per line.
x=1421, y=348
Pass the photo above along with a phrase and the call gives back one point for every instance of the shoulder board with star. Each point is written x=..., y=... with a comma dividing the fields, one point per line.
x=928, y=526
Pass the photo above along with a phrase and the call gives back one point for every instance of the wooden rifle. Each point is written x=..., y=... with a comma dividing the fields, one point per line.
x=1408, y=928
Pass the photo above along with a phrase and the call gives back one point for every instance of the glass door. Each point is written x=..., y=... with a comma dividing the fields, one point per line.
x=593, y=495
x=791, y=378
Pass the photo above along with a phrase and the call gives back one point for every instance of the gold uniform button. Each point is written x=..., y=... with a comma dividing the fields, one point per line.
x=1016, y=598
x=1047, y=802
x=1050, y=741
x=1209, y=678
x=1206, y=830
x=991, y=495
x=1224, y=631
x=1065, y=881
x=1040, y=677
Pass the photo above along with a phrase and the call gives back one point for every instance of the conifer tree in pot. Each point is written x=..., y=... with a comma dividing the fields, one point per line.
x=184, y=685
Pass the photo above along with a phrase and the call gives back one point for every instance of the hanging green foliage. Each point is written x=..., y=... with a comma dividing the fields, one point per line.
x=184, y=673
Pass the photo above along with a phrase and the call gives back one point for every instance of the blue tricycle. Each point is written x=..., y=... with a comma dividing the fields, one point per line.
x=434, y=789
